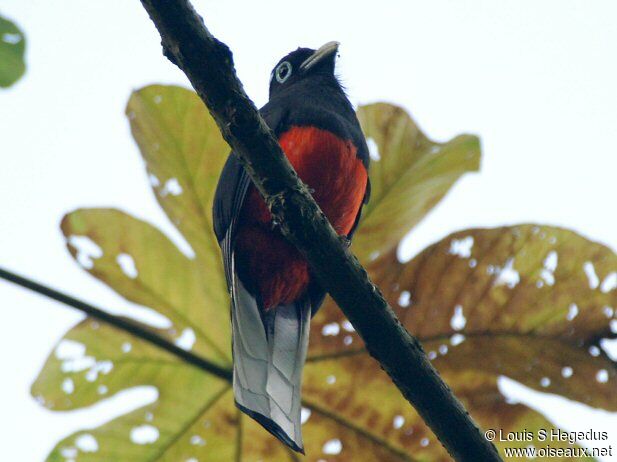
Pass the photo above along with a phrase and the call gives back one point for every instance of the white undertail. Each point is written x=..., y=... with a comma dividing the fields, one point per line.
x=269, y=351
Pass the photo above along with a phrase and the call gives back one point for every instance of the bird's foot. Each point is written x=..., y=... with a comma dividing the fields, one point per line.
x=345, y=241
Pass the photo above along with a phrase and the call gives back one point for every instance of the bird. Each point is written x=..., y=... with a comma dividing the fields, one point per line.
x=273, y=291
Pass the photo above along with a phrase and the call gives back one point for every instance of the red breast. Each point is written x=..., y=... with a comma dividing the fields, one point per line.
x=329, y=166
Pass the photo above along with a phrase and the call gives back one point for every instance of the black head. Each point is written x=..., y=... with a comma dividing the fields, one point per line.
x=302, y=64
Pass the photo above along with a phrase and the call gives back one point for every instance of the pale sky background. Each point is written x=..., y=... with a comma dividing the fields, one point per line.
x=535, y=79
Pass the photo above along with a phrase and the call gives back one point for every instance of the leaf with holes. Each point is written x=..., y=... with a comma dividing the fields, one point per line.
x=144, y=266
x=12, y=49
x=529, y=303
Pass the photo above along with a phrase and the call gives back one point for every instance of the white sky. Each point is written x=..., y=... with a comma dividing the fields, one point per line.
x=535, y=79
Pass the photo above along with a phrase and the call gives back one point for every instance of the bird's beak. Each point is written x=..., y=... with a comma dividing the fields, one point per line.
x=323, y=52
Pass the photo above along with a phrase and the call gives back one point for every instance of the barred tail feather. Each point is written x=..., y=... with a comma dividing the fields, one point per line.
x=269, y=356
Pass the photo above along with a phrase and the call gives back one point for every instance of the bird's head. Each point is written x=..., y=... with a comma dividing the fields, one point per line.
x=303, y=64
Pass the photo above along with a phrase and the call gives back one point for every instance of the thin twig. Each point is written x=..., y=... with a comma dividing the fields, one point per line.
x=121, y=323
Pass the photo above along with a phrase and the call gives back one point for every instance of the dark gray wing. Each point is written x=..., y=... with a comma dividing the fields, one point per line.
x=231, y=191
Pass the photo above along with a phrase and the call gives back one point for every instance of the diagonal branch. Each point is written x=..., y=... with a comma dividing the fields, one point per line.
x=208, y=64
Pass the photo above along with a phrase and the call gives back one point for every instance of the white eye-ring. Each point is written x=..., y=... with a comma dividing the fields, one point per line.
x=283, y=71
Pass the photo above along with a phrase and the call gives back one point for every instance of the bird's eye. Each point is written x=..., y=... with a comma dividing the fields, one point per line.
x=283, y=71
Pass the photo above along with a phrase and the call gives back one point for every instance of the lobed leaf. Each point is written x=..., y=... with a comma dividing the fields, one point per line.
x=486, y=303
x=409, y=175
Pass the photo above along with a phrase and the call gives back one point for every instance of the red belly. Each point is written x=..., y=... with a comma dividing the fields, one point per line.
x=329, y=166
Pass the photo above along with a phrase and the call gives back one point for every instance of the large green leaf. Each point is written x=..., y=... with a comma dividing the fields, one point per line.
x=12, y=49
x=353, y=411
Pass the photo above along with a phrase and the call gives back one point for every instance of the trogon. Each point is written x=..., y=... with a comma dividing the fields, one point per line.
x=273, y=291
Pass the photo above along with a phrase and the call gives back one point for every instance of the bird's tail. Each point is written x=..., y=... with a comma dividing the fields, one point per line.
x=269, y=354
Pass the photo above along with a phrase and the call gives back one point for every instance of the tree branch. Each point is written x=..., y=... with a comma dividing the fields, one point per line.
x=208, y=64
x=121, y=323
